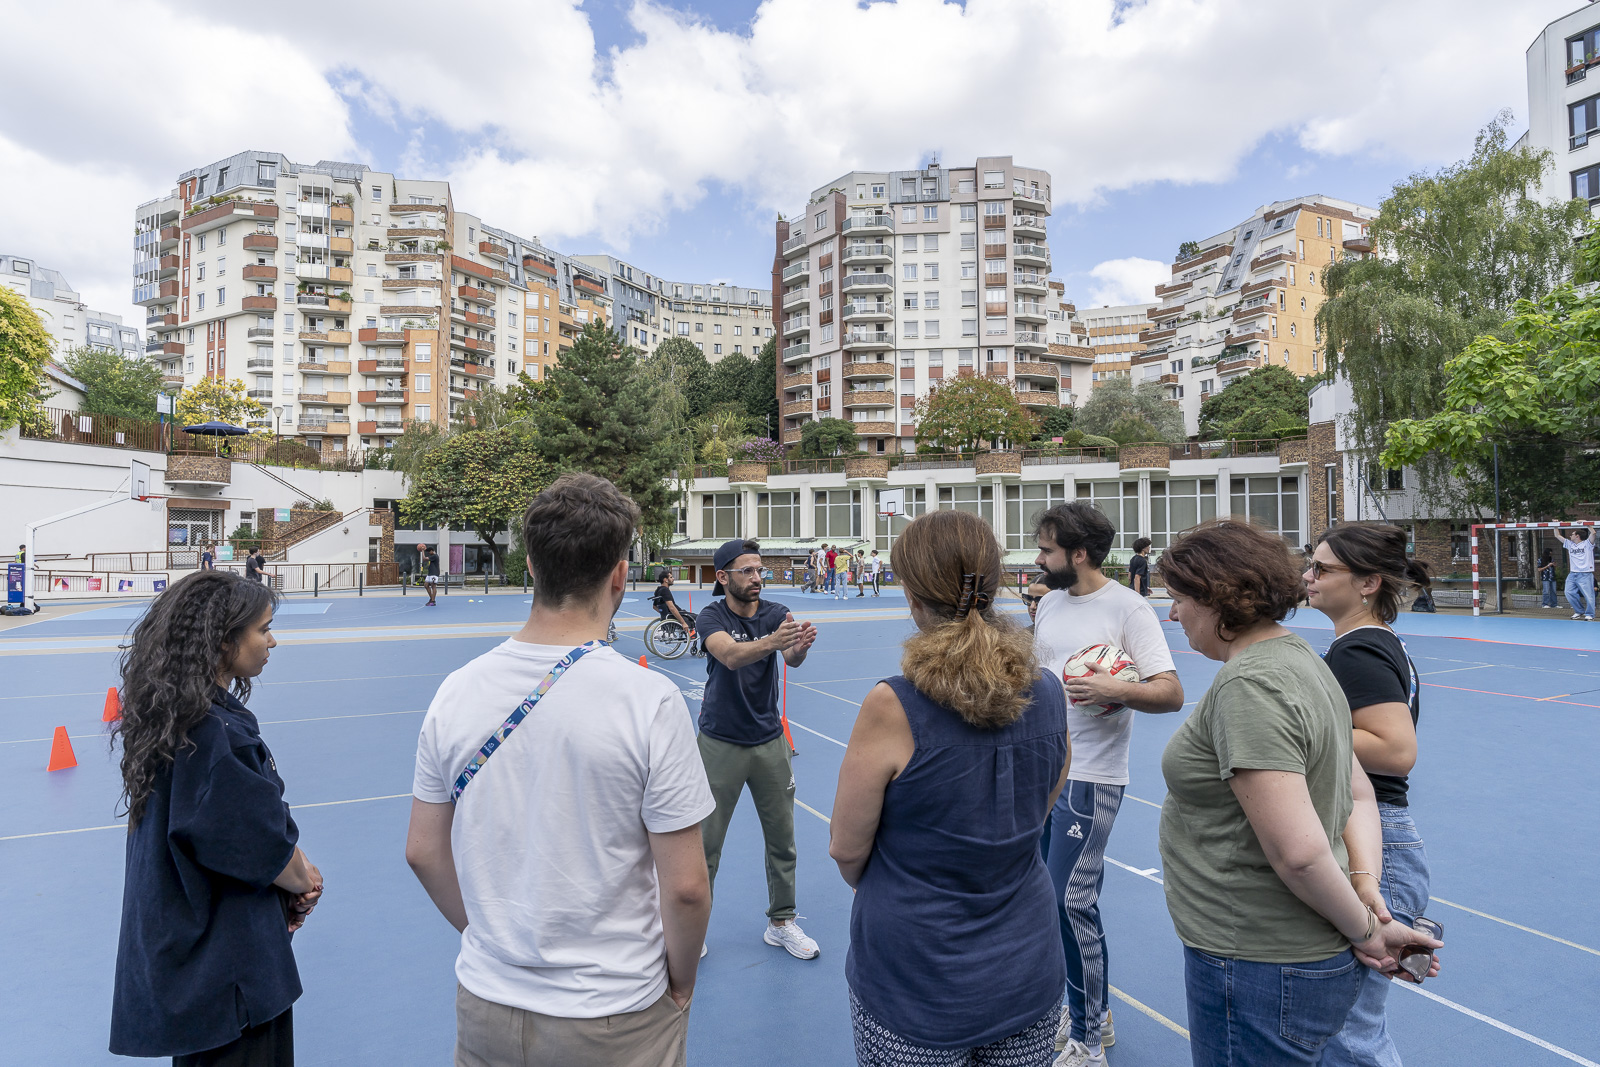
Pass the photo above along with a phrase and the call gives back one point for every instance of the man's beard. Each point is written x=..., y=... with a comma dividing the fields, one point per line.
x=743, y=596
x=1065, y=578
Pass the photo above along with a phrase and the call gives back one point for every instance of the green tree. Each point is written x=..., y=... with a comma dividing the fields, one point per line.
x=1266, y=397
x=1126, y=413
x=681, y=372
x=720, y=431
x=416, y=442
x=761, y=397
x=1057, y=422
x=493, y=409
x=730, y=382
x=1455, y=251
x=114, y=384
x=1533, y=389
x=965, y=414
x=821, y=438
x=221, y=400
x=599, y=417
x=24, y=351
x=480, y=480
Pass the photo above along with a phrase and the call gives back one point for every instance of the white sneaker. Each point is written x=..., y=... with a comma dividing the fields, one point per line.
x=703, y=950
x=1577, y=614
x=791, y=939
x=1077, y=1054
x=1108, y=1031
x=1588, y=618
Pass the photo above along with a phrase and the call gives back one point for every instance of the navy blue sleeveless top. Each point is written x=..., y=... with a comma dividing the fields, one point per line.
x=954, y=940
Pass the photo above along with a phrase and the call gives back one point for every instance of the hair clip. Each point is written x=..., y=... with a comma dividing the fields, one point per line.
x=972, y=595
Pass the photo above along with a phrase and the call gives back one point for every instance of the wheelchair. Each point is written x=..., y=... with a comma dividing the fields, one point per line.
x=666, y=637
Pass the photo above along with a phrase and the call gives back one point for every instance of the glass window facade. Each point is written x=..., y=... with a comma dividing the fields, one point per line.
x=720, y=515
x=837, y=513
x=1179, y=504
x=778, y=514
x=1272, y=501
x=1119, y=502
x=1024, y=505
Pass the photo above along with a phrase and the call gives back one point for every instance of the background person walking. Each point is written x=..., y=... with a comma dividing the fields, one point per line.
x=741, y=736
x=1358, y=577
x=215, y=880
x=951, y=770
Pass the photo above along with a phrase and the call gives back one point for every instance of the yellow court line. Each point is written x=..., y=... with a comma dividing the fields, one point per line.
x=1148, y=1010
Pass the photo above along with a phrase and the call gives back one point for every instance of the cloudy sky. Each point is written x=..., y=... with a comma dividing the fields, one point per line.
x=672, y=133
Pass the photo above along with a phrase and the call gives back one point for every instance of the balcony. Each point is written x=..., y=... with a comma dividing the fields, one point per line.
x=381, y=396
x=1027, y=225
x=155, y=292
x=389, y=364
x=259, y=303
x=373, y=336
x=791, y=437
x=260, y=272
x=159, y=319
x=472, y=344
x=868, y=398
x=316, y=300
x=1030, y=339
x=1282, y=255
x=472, y=368
x=797, y=351
x=868, y=340
x=1030, y=281
x=1038, y=197
x=1030, y=311
x=259, y=363
x=167, y=266
x=400, y=233
x=1031, y=369
x=798, y=324
x=258, y=332
x=797, y=407
x=795, y=381
x=169, y=237
x=862, y=370
x=493, y=250
x=868, y=312
x=313, y=398
x=874, y=429
x=172, y=379
x=795, y=271
x=474, y=318
x=1038, y=398
x=224, y=213
x=258, y=394
x=381, y=426
x=862, y=225
x=798, y=298
x=484, y=297
x=866, y=283
x=793, y=243
x=1037, y=255
x=163, y=348
x=868, y=253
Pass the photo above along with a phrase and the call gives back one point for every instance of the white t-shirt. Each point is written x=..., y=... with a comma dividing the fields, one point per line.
x=1580, y=557
x=874, y=565
x=1064, y=626
x=551, y=836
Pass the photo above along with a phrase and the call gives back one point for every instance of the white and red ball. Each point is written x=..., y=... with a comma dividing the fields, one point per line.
x=1081, y=665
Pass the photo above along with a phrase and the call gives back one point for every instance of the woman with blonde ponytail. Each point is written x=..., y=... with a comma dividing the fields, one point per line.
x=951, y=771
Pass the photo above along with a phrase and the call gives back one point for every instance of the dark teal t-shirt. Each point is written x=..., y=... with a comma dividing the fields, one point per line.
x=741, y=707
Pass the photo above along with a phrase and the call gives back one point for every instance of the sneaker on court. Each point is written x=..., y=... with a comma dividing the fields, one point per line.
x=1588, y=618
x=1108, y=1031
x=1577, y=614
x=791, y=939
x=1077, y=1054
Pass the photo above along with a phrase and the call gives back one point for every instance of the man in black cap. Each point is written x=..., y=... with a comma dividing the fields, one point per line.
x=741, y=734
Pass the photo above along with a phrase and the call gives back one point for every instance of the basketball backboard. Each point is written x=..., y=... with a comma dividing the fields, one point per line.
x=891, y=502
x=138, y=479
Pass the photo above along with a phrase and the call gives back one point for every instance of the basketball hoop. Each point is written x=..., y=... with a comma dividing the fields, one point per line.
x=891, y=503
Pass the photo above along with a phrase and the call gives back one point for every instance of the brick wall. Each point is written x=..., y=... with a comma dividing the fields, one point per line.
x=1321, y=449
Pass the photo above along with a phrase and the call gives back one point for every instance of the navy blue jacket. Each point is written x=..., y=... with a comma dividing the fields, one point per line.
x=204, y=950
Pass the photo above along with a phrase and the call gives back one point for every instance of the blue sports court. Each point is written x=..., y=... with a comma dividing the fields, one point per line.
x=1505, y=794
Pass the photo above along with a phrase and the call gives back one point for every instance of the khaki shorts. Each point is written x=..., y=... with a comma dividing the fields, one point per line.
x=495, y=1035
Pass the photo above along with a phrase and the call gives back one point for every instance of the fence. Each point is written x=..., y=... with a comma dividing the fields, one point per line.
x=57, y=584
x=112, y=431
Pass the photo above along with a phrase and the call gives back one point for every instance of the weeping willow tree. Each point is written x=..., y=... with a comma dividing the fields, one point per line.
x=1455, y=250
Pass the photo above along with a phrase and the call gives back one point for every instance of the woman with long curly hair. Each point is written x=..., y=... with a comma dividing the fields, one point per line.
x=215, y=882
x=951, y=771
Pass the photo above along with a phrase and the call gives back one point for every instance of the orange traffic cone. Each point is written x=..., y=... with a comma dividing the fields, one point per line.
x=642, y=662
x=113, y=710
x=61, y=755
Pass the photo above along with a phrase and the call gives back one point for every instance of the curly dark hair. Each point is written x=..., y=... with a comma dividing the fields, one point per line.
x=1243, y=572
x=169, y=671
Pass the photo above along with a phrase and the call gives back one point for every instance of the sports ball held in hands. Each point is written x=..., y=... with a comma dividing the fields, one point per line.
x=1082, y=664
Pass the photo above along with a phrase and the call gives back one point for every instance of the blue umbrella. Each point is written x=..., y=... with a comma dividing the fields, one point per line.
x=217, y=429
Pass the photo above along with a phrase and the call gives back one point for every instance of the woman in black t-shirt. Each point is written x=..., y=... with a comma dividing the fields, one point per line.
x=1358, y=576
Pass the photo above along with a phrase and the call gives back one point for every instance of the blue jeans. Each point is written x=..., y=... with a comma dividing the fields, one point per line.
x=1074, y=845
x=1580, y=591
x=1245, y=1014
x=1547, y=597
x=1365, y=1040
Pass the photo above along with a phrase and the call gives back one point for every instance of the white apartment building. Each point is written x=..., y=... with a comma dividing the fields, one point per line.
x=1114, y=335
x=71, y=322
x=348, y=300
x=890, y=281
x=721, y=320
x=1564, y=104
x=1247, y=297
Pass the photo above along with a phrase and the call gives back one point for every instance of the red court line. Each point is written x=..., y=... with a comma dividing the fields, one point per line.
x=1517, y=644
x=1514, y=696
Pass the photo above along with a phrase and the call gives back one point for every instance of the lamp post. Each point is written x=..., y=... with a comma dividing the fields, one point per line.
x=277, y=422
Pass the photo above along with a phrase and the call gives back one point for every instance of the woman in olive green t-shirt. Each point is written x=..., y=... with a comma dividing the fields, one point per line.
x=1266, y=812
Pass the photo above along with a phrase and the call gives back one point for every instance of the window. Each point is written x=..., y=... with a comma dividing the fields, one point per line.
x=930, y=299
x=716, y=350
x=861, y=192
x=200, y=273
x=969, y=268
x=424, y=353
x=1385, y=480
x=908, y=271
x=1119, y=502
x=877, y=191
x=930, y=328
x=200, y=301
x=908, y=214
x=818, y=221
x=930, y=213
x=1273, y=502
x=222, y=295
x=910, y=301
x=994, y=179
x=424, y=412
x=1302, y=251
x=908, y=329
x=887, y=530
x=1586, y=184
x=969, y=212
x=969, y=242
x=222, y=262
x=975, y=499
x=778, y=514
x=908, y=243
x=969, y=328
x=423, y=383
x=1024, y=505
x=930, y=242
x=836, y=513
x=1179, y=504
x=908, y=187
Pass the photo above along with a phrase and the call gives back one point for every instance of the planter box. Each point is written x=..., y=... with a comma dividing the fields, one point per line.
x=747, y=474
x=998, y=463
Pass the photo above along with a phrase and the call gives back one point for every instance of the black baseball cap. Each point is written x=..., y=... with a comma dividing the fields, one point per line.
x=728, y=552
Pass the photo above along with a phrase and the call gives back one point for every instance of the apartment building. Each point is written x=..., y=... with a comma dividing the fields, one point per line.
x=1246, y=298
x=882, y=287
x=348, y=300
x=635, y=298
x=71, y=322
x=721, y=320
x=1564, y=104
x=1114, y=335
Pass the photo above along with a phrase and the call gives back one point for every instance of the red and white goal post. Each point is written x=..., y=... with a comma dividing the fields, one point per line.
x=1477, y=595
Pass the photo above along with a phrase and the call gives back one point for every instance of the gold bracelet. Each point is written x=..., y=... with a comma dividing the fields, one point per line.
x=1369, y=874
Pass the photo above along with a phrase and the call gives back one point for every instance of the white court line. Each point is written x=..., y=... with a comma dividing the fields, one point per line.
x=1518, y=926
x=1148, y=1010
x=123, y=825
x=1148, y=874
x=814, y=811
x=1497, y=1024
x=819, y=733
x=263, y=722
x=1142, y=800
x=1453, y=670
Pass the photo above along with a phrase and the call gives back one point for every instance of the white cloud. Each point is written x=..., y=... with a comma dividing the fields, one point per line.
x=1126, y=281
x=569, y=144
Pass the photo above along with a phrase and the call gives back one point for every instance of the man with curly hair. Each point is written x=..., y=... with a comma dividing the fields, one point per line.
x=1086, y=608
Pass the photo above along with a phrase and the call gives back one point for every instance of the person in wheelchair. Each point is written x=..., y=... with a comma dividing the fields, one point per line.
x=664, y=603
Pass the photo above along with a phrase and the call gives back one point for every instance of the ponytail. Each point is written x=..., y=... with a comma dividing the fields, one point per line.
x=982, y=666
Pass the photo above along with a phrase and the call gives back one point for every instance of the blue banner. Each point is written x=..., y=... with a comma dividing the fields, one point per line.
x=14, y=583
